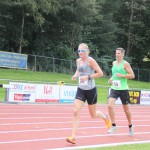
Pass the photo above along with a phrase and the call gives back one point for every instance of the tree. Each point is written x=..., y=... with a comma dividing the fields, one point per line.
x=19, y=10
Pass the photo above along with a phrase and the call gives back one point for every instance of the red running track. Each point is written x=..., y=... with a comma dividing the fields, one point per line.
x=46, y=126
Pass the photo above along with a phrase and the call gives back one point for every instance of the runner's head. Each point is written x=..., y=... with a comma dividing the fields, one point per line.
x=83, y=48
x=120, y=52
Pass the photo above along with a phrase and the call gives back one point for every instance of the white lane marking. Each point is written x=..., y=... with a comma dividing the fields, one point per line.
x=63, y=138
x=58, y=129
x=58, y=122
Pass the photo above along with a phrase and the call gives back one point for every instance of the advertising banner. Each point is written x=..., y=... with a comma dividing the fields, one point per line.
x=145, y=98
x=23, y=92
x=67, y=94
x=134, y=96
x=30, y=92
x=13, y=60
x=47, y=93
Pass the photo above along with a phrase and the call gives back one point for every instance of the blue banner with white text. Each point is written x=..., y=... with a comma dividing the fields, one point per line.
x=13, y=60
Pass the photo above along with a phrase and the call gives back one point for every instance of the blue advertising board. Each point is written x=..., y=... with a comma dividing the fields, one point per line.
x=13, y=60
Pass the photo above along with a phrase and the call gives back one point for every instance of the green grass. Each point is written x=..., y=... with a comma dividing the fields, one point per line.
x=125, y=147
x=25, y=75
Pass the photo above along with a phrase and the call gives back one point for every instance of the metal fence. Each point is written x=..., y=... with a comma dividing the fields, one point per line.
x=142, y=74
x=51, y=64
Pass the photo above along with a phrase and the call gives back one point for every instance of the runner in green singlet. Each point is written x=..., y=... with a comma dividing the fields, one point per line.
x=121, y=72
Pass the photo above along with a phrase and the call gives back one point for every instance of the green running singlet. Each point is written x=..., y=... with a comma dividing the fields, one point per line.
x=119, y=83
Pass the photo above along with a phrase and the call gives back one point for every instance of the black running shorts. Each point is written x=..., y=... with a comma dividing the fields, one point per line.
x=89, y=95
x=122, y=94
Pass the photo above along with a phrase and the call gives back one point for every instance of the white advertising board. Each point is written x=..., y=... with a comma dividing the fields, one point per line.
x=145, y=98
x=67, y=94
x=47, y=93
x=24, y=92
x=28, y=92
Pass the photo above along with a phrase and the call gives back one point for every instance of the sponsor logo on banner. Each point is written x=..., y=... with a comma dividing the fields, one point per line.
x=47, y=93
x=134, y=96
x=21, y=92
x=22, y=97
x=18, y=97
x=145, y=98
x=67, y=94
x=23, y=87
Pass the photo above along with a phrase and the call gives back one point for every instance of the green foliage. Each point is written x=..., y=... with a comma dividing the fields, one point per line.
x=106, y=64
x=54, y=28
x=131, y=20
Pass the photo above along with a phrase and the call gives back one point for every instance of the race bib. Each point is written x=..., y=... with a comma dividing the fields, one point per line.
x=83, y=83
x=116, y=83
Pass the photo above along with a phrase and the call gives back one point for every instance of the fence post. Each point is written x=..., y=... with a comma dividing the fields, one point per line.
x=138, y=75
x=149, y=76
x=71, y=68
x=53, y=64
x=35, y=63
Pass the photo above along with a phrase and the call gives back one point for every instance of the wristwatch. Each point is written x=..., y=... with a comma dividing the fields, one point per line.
x=89, y=77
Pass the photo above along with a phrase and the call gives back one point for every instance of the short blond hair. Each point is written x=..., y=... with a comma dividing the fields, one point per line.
x=85, y=46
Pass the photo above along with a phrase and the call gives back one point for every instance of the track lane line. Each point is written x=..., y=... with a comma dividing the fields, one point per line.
x=64, y=138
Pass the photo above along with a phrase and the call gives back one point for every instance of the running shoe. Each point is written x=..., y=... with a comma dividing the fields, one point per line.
x=108, y=122
x=131, y=131
x=71, y=140
x=112, y=129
